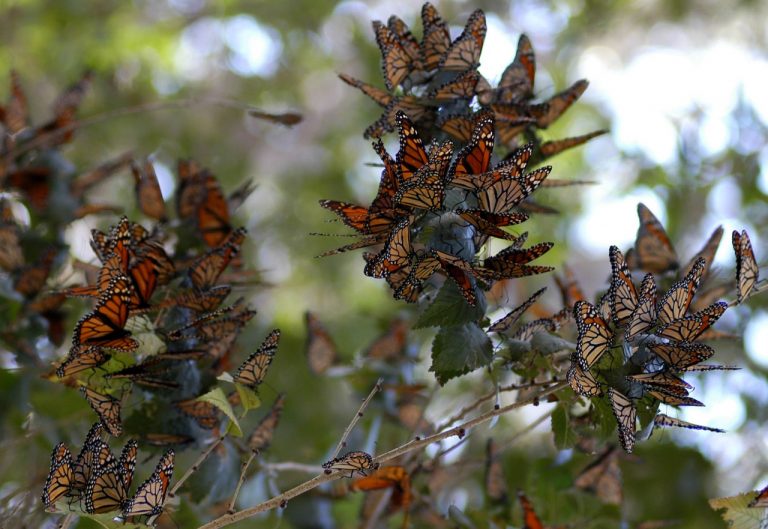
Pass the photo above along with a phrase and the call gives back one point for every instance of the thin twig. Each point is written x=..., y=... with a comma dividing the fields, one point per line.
x=138, y=109
x=240, y=482
x=197, y=464
x=289, y=466
x=416, y=444
x=358, y=415
x=66, y=521
x=488, y=396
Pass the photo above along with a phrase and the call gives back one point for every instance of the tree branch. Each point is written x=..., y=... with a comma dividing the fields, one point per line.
x=410, y=446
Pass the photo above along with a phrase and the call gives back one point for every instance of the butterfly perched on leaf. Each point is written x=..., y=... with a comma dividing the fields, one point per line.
x=107, y=408
x=595, y=334
x=625, y=412
x=653, y=251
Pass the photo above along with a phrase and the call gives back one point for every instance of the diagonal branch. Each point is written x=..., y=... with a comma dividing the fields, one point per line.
x=415, y=444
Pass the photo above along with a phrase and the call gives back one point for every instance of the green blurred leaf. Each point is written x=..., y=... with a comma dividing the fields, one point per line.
x=458, y=350
x=248, y=397
x=450, y=308
x=565, y=437
x=737, y=514
x=217, y=398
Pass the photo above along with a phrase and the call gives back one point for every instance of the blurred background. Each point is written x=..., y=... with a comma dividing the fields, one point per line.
x=682, y=86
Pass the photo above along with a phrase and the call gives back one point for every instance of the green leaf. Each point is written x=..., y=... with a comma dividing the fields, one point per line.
x=217, y=398
x=450, y=308
x=737, y=514
x=458, y=350
x=248, y=397
x=565, y=437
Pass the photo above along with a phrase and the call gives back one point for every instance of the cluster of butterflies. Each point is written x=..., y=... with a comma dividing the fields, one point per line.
x=101, y=482
x=662, y=335
x=424, y=230
x=435, y=82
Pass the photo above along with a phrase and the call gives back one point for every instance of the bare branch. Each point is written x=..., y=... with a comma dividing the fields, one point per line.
x=358, y=415
x=410, y=446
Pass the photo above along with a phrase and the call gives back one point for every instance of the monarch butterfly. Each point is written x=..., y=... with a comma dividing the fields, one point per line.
x=426, y=190
x=665, y=381
x=201, y=301
x=105, y=491
x=511, y=120
x=552, y=148
x=95, y=455
x=570, y=290
x=530, y=518
x=583, y=382
x=489, y=224
x=711, y=367
x=107, y=408
x=412, y=283
x=667, y=397
x=321, y=350
x=142, y=375
x=354, y=216
x=550, y=110
x=81, y=359
x=662, y=420
x=65, y=108
x=388, y=183
x=254, y=369
x=510, y=169
x=395, y=61
x=261, y=437
x=391, y=345
x=511, y=262
x=150, y=496
x=436, y=39
x=462, y=87
x=165, y=439
x=212, y=215
x=653, y=250
x=504, y=194
x=191, y=192
x=461, y=272
x=404, y=36
x=495, y=484
x=603, y=477
x=395, y=477
x=235, y=312
x=15, y=115
x=356, y=461
x=127, y=462
x=11, y=256
x=623, y=291
x=460, y=126
x=551, y=324
x=681, y=355
x=204, y=413
x=475, y=158
x=676, y=301
x=644, y=317
x=760, y=501
x=147, y=189
x=396, y=254
x=30, y=280
x=516, y=83
x=690, y=327
x=464, y=52
x=412, y=156
x=747, y=272
x=60, y=477
x=104, y=326
x=707, y=252
x=626, y=416
x=206, y=269
x=514, y=315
